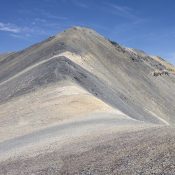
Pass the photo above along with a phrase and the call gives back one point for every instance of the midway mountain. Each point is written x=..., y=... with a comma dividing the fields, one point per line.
x=78, y=98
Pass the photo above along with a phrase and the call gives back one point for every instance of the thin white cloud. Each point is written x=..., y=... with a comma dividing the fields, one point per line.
x=47, y=15
x=119, y=10
x=172, y=56
x=24, y=32
x=51, y=16
x=122, y=9
x=80, y=3
x=7, y=27
x=44, y=15
x=19, y=36
x=40, y=20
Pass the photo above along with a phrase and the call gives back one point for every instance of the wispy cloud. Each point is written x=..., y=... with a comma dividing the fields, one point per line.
x=43, y=14
x=52, y=16
x=7, y=27
x=20, y=36
x=171, y=56
x=40, y=20
x=122, y=11
x=24, y=32
x=80, y=3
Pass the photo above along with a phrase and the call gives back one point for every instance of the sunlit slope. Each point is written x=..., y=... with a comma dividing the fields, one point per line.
x=86, y=58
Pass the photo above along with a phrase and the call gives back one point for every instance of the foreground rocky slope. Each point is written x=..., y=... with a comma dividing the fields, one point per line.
x=149, y=151
x=76, y=87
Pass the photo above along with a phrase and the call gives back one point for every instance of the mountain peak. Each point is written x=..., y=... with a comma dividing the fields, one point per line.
x=77, y=29
x=78, y=81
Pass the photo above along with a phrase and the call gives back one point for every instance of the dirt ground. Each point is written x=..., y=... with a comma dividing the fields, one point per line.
x=147, y=151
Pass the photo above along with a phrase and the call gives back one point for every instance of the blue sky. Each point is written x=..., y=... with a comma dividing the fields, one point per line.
x=144, y=24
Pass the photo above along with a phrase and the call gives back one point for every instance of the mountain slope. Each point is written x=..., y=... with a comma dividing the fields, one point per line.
x=96, y=65
x=78, y=103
